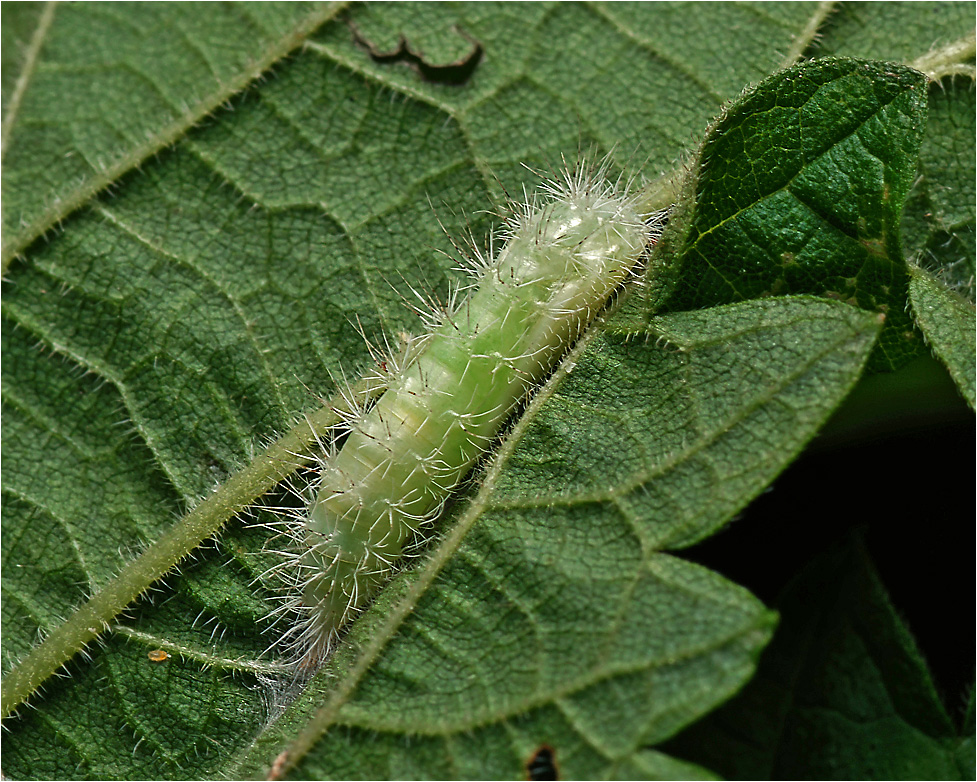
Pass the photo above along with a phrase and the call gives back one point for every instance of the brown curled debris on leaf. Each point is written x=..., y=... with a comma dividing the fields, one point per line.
x=457, y=72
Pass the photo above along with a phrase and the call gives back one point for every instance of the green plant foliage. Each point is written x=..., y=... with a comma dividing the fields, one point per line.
x=206, y=207
x=592, y=589
x=801, y=191
x=89, y=93
x=847, y=695
x=948, y=322
x=942, y=214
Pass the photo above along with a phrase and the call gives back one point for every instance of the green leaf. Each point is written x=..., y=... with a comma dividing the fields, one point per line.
x=941, y=216
x=91, y=92
x=801, y=190
x=965, y=749
x=183, y=295
x=949, y=323
x=556, y=556
x=841, y=693
x=893, y=31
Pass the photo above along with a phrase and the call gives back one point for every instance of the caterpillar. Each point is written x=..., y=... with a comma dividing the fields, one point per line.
x=448, y=395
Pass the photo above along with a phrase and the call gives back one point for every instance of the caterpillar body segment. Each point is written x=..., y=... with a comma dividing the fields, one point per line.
x=561, y=260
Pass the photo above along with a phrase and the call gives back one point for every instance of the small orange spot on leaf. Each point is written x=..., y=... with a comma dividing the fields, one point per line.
x=158, y=656
x=278, y=766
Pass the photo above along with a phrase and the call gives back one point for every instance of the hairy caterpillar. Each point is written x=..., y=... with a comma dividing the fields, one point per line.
x=452, y=391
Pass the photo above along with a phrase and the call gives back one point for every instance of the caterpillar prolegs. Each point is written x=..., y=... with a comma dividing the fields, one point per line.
x=563, y=254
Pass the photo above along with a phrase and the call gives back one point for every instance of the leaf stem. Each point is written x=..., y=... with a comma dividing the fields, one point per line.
x=949, y=60
x=803, y=40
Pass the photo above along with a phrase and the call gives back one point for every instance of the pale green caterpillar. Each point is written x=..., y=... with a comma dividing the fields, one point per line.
x=446, y=403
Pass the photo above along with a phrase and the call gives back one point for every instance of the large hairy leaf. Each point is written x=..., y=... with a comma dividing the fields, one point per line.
x=205, y=208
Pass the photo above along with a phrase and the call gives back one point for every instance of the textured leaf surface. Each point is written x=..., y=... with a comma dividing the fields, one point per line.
x=559, y=558
x=841, y=693
x=893, y=31
x=949, y=323
x=173, y=324
x=801, y=191
x=941, y=219
x=90, y=91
